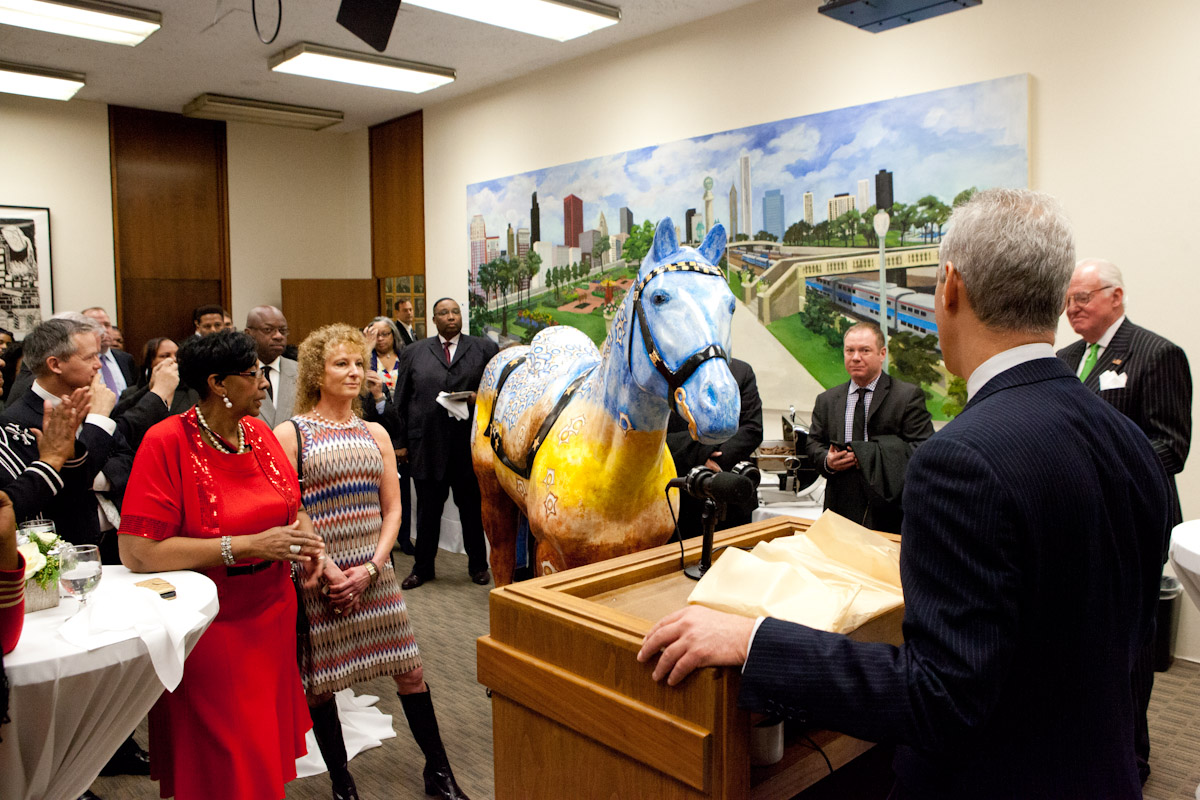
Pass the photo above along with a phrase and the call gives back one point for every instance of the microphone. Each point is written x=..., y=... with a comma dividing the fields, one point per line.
x=722, y=487
x=717, y=490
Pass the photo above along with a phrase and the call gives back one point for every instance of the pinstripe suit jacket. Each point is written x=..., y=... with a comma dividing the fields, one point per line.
x=1157, y=394
x=1032, y=528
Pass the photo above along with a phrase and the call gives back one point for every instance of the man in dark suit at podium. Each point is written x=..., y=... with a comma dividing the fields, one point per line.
x=1033, y=527
x=436, y=445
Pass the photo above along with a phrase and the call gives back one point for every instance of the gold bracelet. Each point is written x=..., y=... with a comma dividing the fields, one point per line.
x=372, y=570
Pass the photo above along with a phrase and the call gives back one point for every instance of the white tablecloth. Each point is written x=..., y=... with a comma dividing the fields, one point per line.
x=1185, y=557
x=72, y=708
x=802, y=510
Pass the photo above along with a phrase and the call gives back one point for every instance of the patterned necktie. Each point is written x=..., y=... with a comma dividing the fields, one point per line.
x=446, y=347
x=1090, y=361
x=266, y=371
x=109, y=380
x=859, y=430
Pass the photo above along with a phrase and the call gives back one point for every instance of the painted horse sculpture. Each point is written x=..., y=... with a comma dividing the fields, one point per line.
x=575, y=438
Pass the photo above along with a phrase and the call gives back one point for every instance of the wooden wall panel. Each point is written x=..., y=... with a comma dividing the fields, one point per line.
x=308, y=304
x=170, y=219
x=398, y=197
x=161, y=307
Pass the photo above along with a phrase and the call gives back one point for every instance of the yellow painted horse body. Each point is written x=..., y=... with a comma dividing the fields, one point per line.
x=575, y=438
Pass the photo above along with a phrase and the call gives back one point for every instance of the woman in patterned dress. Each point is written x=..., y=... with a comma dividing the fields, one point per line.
x=358, y=625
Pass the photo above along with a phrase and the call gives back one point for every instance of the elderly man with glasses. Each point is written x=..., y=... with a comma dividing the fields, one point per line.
x=1146, y=378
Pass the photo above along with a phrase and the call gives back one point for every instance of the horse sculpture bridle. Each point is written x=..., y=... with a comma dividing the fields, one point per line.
x=676, y=395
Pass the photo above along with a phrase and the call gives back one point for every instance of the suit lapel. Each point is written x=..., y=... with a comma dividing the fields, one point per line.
x=1115, y=356
x=839, y=413
x=881, y=393
x=461, y=349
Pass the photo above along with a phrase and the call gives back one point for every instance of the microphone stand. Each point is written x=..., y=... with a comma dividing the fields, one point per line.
x=708, y=523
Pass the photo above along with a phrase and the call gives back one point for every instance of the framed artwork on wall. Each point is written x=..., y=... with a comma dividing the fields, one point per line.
x=26, y=288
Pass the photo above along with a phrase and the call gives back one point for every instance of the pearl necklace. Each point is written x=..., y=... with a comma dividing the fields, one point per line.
x=218, y=441
x=341, y=426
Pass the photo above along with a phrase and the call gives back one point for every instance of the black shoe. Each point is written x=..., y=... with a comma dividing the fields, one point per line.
x=128, y=760
x=413, y=581
x=406, y=546
x=89, y=795
x=481, y=577
x=422, y=721
x=327, y=730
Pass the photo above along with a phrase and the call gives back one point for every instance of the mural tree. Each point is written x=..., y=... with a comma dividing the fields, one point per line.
x=914, y=358
x=638, y=243
x=956, y=397
x=764, y=236
x=599, y=249
x=533, y=265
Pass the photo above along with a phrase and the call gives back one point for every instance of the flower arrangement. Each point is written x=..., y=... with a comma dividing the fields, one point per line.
x=41, y=556
x=608, y=309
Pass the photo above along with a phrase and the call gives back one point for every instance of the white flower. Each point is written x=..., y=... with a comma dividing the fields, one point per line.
x=48, y=537
x=34, y=560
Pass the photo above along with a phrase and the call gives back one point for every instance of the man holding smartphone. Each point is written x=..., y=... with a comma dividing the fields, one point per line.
x=864, y=431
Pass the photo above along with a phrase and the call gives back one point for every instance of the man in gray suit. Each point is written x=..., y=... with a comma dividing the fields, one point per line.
x=269, y=328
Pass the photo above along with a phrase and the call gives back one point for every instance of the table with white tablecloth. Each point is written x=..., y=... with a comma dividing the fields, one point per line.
x=1185, y=559
x=72, y=707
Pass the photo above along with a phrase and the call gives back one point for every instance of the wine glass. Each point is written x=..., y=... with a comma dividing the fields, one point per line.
x=79, y=570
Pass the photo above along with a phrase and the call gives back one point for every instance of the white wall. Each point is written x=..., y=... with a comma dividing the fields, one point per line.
x=1110, y=125
x=55, y=155
x=299, y=207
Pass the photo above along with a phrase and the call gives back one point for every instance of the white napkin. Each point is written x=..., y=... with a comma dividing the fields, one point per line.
x=363, y=728
x=1110, y=379
x=455, y=408
x=123, y=612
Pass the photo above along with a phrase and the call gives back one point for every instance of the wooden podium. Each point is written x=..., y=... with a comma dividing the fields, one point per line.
x=575, y=715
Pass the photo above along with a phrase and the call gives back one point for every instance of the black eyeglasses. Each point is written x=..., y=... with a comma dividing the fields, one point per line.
x=249, y=374
x=1083, y=298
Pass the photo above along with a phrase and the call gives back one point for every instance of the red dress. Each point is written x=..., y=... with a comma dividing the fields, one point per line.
x=12, y=606
x=235, y=725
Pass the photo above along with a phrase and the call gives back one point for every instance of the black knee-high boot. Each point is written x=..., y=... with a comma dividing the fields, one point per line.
x=327, y=728
x=439, y=780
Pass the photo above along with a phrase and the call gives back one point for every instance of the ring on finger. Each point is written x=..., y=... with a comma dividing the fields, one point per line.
x=295, y=549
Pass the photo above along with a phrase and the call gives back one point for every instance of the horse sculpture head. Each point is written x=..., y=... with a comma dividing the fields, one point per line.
x=677, y=333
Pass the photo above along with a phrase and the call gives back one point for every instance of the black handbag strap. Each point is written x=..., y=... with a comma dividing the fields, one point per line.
x=299, y=452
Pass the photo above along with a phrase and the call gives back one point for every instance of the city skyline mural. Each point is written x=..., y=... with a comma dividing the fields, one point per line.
x=555, y=245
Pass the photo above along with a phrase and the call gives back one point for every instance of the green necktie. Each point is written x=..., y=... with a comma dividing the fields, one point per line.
x=1090, y=361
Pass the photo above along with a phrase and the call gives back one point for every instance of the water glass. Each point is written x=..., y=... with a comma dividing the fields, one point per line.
x=80, y=570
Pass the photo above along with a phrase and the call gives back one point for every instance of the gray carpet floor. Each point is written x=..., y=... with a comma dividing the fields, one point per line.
x=450, y=613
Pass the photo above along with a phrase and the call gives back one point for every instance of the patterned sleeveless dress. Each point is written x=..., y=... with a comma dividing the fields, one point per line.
x=342, y=467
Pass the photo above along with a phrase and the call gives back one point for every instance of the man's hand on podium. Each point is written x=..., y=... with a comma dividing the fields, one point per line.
x=696, y=637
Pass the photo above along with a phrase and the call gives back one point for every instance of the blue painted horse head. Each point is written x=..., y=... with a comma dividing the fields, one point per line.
x=575, y=438
x=673, y=333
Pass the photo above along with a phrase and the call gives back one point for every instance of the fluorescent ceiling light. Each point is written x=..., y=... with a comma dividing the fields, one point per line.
x=331, y=64
x=554, y=19
x=87, y=19
x=52, y=84
x=242, y=109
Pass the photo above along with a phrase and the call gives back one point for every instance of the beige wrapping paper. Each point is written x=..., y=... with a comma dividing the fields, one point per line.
x=834, y=577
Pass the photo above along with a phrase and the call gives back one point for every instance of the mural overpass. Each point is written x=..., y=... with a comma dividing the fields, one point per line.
x=784, y=276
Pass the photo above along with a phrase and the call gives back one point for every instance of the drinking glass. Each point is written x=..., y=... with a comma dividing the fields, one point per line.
x=80, y=570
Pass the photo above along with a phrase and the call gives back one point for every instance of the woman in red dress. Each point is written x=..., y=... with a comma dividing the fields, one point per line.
x=212, y=491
